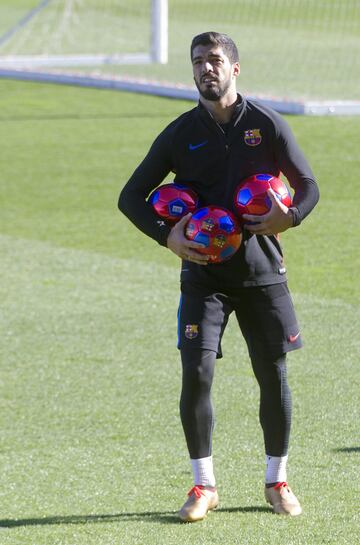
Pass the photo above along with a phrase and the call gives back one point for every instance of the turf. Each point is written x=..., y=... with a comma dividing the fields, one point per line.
x=92, y=451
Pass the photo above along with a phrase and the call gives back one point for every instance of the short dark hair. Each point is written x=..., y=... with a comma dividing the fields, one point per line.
x=215, y=38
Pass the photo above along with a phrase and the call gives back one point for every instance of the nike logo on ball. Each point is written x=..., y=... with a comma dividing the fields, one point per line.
x=193, y=147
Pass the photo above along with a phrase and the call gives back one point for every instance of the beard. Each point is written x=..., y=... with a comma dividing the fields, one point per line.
x=213, y=93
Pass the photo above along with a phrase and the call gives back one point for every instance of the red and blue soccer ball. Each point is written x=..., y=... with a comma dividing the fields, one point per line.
x=218, y=229
x=173, y=201
x=251, y=195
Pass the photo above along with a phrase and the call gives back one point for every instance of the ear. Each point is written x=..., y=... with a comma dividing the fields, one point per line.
x=236, y=69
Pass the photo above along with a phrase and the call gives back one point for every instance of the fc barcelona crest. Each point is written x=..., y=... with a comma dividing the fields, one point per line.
x=220, y=240
x=191, y=331
x=208, y=224
x=252, y=137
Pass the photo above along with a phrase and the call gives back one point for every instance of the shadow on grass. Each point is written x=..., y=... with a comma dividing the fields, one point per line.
x=347, y=449
x=165, y=517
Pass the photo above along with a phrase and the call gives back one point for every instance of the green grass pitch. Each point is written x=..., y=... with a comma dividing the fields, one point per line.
x=92, y=451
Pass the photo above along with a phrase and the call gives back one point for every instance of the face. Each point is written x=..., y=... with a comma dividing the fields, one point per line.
x=214, y=75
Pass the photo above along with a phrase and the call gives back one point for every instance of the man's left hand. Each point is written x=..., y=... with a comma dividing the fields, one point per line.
x=277, y=220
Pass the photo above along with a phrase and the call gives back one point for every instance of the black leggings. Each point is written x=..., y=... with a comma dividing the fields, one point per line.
x=196, y=410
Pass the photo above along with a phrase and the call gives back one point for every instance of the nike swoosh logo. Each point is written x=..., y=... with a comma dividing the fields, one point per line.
x=292, y=338
x=192, y=147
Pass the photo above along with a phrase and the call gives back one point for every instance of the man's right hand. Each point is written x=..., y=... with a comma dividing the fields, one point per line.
x=184, y=248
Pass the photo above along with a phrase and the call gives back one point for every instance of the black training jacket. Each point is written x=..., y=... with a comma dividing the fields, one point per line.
x=213, y=161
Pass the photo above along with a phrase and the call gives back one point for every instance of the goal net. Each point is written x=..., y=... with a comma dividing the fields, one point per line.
x=86, y=33
x=292, y=52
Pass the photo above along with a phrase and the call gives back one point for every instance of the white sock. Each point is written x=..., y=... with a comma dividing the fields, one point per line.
x=275, y=469
x=203, y=471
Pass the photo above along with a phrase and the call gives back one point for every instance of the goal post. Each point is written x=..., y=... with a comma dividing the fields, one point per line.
x=159, y=31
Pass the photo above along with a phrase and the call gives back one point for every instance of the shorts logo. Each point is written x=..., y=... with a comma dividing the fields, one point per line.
x=191, y=331
x=293, y=338
x=252, y=137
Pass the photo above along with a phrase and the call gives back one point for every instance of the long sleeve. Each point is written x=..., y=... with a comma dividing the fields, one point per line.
x=295, y=167
x=148, y=175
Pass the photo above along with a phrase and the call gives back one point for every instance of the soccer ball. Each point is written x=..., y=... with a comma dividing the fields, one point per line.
x=216, y=228
x=173, y=201
x=251, y=195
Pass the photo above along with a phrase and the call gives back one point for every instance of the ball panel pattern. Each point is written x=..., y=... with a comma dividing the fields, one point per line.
x=219, y=231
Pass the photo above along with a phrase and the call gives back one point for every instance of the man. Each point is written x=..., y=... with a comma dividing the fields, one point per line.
x=210, y=149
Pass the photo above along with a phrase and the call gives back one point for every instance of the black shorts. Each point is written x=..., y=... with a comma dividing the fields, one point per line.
x=265, y=314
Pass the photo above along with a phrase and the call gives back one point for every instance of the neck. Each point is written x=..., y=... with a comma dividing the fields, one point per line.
x=223, y=109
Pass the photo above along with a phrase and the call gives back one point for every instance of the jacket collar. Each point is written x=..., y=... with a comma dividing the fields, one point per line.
x=237, y=114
